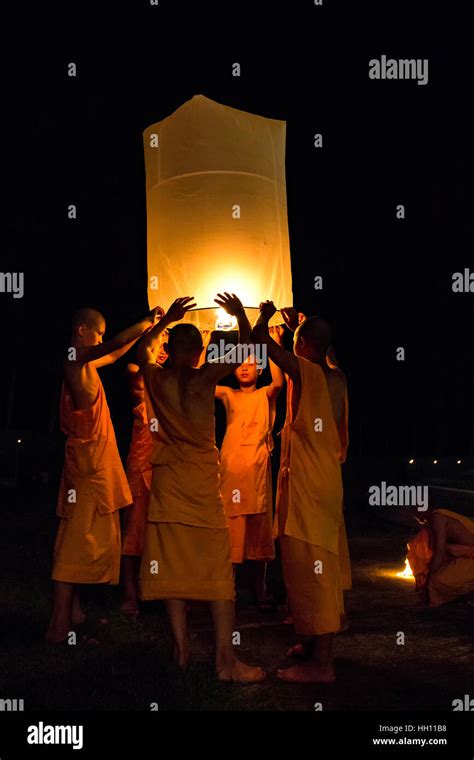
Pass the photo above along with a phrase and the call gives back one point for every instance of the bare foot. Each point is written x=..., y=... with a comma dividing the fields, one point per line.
x=307, y=672
x=239, y=672
x=301, y=651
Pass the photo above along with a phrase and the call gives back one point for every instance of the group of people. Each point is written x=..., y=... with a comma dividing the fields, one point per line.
x=191, y=514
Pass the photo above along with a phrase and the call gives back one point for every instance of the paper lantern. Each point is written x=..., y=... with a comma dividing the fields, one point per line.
x=216, y=210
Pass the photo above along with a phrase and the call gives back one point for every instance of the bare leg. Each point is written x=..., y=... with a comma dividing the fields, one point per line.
x=228, y=667
x=77, y=614
x=319, y=668
x=176, y=609
x=61, y=619
x=129, y=574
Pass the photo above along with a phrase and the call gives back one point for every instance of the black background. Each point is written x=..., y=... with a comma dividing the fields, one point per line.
x=387, y=282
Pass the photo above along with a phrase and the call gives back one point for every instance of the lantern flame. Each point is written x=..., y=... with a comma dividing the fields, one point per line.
x=225, y=321
x=406, y=572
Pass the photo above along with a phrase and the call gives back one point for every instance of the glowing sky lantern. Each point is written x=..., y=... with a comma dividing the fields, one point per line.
x=216, y=210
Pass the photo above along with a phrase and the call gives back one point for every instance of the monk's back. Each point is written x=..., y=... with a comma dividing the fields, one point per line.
x=188, y=392
x=337, y=391
x=456, y=532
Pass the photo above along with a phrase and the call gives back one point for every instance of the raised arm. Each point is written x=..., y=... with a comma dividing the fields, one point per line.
x=292, y=318
x=135, y=383
x=222, y=366
x=278, y=378
x=286, y=360
x=148, y=347
x=111, y=350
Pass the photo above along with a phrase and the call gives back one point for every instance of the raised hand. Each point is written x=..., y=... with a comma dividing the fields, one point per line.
x=230, y=303
x=154, y=315
x=179, y=307
x=276, y=333
x=267, y=310
x=290, y=317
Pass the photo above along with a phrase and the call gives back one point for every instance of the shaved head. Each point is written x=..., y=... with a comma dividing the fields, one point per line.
x=88, y=327
x=87, y=316
x=184, y=339
x=316, y=333
x=312, y=340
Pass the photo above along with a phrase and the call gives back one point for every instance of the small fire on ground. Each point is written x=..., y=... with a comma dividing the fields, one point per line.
x=406, y=572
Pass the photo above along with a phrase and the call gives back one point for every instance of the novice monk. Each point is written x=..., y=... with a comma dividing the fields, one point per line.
x=309, y=498
x=337, y=387
x=246, y=476
x=187, y=548
x=139, y=472
x=93, y=485
x=441, y=557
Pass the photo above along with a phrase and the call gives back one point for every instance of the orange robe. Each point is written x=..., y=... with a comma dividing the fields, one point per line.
x=187, y=548
x=139, y=473
x=87, y=548
x=455, y=577
x=246, y=475
x=309, y=507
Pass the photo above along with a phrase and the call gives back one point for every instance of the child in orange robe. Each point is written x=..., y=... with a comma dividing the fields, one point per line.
x=246, y=478
x=309, y=496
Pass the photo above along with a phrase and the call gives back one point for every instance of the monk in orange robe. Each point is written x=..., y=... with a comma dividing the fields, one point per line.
x=441, y=557
x=187, y=548
x=246, y=476
x=139, y=472
x=93, y=485
x=337, y=387
x=309, y=496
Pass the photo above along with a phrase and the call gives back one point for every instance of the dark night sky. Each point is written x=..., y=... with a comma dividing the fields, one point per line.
x=387, y=281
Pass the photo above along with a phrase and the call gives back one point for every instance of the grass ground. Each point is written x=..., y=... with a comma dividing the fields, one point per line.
x=130, y=670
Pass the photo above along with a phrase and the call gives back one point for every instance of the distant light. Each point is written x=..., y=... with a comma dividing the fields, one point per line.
x=412, y=461
x=18, y=440
x=459, y=461
x=435, y=461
